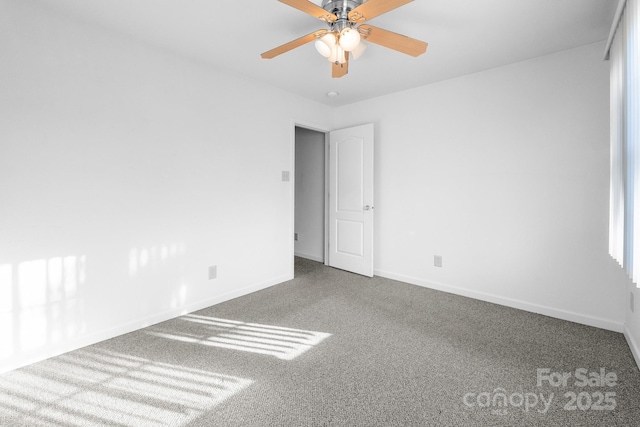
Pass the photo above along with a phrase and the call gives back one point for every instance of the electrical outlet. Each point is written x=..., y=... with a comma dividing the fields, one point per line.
x=295, y=236
x=437, y=260
x=213, y=272
x=632, y=303
x=285, y=176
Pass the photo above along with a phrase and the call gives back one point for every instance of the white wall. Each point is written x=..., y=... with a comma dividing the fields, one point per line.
x=124, y=173
x=309, y=194
x=504, y=174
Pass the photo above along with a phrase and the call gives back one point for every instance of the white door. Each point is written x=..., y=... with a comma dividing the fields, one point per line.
x=351, y=199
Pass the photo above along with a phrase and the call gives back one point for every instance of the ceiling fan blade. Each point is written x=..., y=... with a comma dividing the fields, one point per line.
x=372, y=8
x=338, y=70
x=312, y=9
x=293, y=44
x=392, y=40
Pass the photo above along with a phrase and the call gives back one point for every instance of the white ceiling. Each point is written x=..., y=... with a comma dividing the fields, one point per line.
x=464, y=36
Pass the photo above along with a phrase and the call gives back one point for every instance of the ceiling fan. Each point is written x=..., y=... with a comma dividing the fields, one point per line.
x=346, y=22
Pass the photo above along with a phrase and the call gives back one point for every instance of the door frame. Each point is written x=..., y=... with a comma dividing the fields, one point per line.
x=321, y=129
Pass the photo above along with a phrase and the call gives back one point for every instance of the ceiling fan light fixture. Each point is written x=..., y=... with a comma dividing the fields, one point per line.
x=325, y=44
x=342, y=55
x=333, y=57
x=359, y=50
x=337, y=55
x=349, y=39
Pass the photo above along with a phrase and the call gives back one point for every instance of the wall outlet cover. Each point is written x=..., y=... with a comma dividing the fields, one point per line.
x=285, y=176
x=632, y=302
x=213, y=272
x=437, y=260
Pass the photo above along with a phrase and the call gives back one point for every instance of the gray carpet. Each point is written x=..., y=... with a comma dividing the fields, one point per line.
x=334, y=348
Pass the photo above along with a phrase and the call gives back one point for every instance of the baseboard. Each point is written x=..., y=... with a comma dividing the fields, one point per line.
x=633, y=345
x=236, y=293
x=307, y=256
x=508, y=302
x=142, y=323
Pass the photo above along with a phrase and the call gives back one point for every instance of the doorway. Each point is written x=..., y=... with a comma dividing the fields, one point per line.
x=310, y=177
x=334, y=226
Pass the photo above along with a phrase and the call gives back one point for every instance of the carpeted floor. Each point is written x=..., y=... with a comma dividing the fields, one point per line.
x=334, y=348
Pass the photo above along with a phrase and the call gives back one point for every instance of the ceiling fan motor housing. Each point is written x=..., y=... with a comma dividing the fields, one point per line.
x=341, y=9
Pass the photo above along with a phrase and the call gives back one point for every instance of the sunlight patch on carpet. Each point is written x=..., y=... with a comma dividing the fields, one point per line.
x=97, y=387
x=283, y=343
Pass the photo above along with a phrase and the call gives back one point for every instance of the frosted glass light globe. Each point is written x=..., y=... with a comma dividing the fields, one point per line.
x=337, y=55
x=342, y=55
x=349, y=39
x=325, y=44
x=358, y=51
